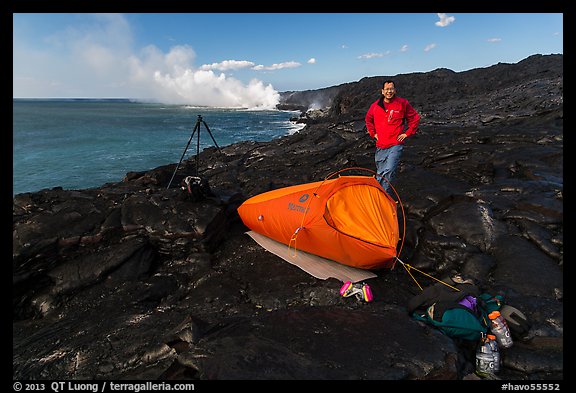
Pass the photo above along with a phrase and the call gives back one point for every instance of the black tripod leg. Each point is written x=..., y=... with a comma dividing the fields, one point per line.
x=196, y=128
x=211, y=136
x=198, y=145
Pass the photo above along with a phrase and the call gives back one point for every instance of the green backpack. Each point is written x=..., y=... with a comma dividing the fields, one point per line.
x=459, y=314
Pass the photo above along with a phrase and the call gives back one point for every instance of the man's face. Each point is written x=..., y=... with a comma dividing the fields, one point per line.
x=389, y=90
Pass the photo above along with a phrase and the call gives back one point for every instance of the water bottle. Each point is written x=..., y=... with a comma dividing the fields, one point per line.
x=495, y=353
x=484, y=358
x=499, y=327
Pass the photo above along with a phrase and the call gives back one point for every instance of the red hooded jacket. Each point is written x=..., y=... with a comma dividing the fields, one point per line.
x=387, y=121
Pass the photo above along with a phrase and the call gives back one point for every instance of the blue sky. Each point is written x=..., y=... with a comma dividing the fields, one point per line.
x=245, y=59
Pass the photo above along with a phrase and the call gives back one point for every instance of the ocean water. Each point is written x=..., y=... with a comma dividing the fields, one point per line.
x=83, y=143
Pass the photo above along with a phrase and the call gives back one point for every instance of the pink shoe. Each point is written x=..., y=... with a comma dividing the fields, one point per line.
x=367, y=293
x=346, y=289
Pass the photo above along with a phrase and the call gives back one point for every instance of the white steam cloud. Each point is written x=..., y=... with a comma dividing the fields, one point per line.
x=172, y=79
x=98, y=60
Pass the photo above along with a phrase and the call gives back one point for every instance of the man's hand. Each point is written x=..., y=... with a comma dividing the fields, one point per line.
x=401, y=137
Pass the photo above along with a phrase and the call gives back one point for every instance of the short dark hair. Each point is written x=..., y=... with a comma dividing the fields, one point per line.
x=388, y=81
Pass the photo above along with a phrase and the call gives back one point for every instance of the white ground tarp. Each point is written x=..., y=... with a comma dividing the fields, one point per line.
x=314, y=265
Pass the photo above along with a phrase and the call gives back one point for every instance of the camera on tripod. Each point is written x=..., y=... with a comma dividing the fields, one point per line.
x=195, y=185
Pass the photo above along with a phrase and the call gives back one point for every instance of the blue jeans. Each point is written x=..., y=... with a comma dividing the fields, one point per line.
x=386, y=163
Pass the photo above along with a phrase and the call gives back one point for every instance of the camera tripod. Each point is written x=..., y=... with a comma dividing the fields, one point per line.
x=196, y=129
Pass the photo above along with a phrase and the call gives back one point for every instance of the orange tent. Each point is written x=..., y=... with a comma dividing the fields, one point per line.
x=348, y=219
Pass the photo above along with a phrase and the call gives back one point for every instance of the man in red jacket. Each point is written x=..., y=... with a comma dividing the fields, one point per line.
x=385, y=121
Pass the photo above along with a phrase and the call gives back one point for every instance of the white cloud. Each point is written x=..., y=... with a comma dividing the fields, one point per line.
x=87, y=60
x=494, y=39
x=429, y=47
x=373, y=55
x=312, y=60
x=404, y=48
x=227, y=65
x=277, y=66
x=445, y=20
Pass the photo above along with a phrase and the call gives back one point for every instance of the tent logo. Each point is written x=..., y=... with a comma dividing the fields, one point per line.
x=298, y=208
